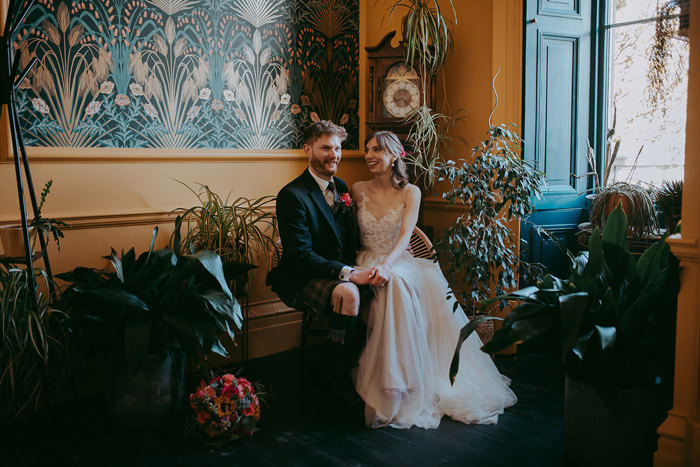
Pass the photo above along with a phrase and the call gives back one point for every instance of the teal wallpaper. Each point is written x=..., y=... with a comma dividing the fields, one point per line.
x=245, y=74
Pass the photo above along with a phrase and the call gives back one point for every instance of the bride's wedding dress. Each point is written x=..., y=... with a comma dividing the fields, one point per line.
x=403, y=373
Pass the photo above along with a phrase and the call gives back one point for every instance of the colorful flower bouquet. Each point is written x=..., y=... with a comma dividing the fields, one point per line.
x=227, y=408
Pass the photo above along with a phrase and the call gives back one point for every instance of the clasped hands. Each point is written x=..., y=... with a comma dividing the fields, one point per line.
x=377, y=276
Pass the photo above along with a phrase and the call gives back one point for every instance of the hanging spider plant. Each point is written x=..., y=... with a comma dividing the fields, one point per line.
x=429, y=139
x=241, y=232
x=426, y=35
x=428, y=42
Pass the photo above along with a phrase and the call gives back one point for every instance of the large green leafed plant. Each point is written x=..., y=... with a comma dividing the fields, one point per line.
x=157, y=301
x=615, y=315
x=494, y=188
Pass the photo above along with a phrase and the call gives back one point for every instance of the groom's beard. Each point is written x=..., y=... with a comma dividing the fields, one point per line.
x=326, y=166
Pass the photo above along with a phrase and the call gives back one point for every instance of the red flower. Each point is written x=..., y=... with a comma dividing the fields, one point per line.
x=229, y=390
x=203, y=417
x=228, y=378
x=345, y=199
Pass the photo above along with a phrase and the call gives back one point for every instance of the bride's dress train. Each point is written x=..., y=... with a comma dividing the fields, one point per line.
x=403, y=373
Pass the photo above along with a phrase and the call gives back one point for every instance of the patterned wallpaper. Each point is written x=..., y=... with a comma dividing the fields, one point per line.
x=246, y=74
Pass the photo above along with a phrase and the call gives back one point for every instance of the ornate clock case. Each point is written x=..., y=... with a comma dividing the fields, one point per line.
x=395, y=87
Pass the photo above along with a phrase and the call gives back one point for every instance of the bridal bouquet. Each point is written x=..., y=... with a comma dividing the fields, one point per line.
x=227, y=408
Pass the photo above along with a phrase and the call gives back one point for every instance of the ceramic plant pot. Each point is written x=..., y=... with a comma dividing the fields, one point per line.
x=151, y=396
x=12, y=238
x=595, y=435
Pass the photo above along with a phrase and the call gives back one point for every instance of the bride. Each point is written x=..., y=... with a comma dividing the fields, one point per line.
x=411, y=329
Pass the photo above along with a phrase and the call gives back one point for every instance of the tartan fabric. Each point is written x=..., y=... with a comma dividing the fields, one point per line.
x=314, y=297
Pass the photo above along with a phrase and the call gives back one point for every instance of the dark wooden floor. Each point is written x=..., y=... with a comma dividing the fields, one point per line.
x=307, y=429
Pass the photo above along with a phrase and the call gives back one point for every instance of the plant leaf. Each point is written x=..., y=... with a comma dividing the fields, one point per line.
x=464, y=333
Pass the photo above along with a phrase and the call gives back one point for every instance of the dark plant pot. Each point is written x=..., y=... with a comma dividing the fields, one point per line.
x=593, y=435
x=152, y=396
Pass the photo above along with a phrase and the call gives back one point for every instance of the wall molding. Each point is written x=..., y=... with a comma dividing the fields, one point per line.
x=685, y=249
x=129, y=155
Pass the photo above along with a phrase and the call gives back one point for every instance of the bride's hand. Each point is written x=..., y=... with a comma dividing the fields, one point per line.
x=381, y=276
x=362, y=276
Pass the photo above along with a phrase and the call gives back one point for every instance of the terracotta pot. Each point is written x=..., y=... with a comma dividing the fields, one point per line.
x=613, y=203
x=484, y=330
x=12, y=237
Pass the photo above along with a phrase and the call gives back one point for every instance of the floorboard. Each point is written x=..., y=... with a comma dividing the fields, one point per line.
x=307, y=428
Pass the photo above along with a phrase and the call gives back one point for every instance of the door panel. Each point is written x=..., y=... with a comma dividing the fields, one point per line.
x=556, y=108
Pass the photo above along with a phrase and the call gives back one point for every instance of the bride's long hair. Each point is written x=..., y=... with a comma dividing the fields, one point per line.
x=390, y=143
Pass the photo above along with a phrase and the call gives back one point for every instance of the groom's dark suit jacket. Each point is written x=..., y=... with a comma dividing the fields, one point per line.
x=316, y=242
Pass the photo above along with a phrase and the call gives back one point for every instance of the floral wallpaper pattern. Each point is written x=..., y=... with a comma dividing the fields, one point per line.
x=245, y=74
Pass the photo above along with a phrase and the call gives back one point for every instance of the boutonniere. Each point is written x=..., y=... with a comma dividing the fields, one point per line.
x=344, y=203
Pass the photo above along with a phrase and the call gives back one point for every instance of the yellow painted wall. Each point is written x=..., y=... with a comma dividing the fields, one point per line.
x=679, y=435
x=113, y=198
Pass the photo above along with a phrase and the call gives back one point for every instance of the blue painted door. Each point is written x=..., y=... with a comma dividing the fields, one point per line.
x=556, y=109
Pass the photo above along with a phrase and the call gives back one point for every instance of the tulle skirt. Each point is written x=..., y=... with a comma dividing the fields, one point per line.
x=403, y=372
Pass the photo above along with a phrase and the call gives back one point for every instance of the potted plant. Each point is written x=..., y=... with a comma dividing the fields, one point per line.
x=615, y=316
x=147, y=312
x=494, y=188
x=33, y=345
x=241, y=232
x=636, y=202
x=12, y=236
x=429, y=43
x=669, y=198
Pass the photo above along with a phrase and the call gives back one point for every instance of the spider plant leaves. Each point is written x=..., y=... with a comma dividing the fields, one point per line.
x=426, y=33
x=239, y=231
x=33, y=343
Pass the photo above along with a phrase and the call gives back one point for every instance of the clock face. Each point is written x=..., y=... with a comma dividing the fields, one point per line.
x=401, y=96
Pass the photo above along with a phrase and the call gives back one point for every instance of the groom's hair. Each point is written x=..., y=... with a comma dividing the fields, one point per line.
x=321, y=128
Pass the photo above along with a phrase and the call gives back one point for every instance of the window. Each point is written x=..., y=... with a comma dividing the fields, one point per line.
x=647, y=88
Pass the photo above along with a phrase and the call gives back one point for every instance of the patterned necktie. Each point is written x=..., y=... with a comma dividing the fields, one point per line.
x=330, y=194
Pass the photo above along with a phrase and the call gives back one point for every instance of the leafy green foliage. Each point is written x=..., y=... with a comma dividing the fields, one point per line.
x=33, y=344
x=638, y=204
x=159, y=300
x=45, y=225
x=670, y=199
x=494, y=188
x=615, y=316
x=429, y=139
x=240, y=232
x=426, y=34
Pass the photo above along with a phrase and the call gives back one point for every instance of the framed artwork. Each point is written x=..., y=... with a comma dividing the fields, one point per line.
x=188, y=74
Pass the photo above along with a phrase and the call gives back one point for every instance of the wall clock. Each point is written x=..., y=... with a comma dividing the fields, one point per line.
x=395, y=87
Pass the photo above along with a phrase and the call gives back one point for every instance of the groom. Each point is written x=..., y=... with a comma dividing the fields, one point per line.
x=319, y=246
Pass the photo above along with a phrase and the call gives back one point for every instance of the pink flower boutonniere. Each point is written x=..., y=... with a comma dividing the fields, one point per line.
x=344, y=204
x=346, y=200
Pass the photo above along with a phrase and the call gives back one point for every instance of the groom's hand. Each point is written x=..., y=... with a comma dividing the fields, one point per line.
x=362, y=277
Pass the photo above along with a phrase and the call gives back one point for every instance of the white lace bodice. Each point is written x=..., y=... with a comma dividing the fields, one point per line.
x=378, y=232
